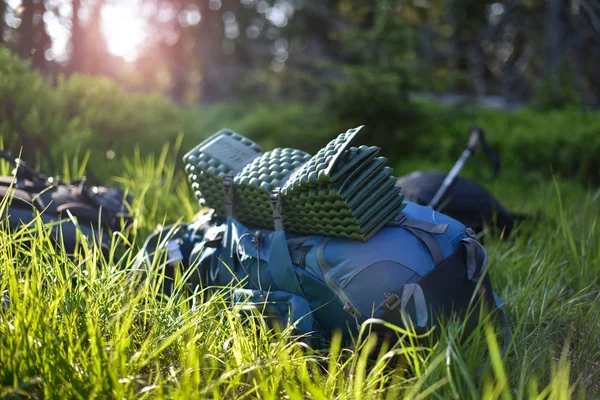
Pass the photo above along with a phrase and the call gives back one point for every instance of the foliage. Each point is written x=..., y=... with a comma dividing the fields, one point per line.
x=556, y=93
x=210, y=51
x=565, y=142
x=78, y=114
x=32, y=113
x=93, y=328
x=378, y=101
x=86, y=113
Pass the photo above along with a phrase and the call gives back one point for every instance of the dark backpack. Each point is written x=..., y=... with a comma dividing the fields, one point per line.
x=465, y=200
x=95, y=211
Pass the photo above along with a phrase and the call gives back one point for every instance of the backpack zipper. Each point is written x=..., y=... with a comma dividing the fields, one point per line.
x=349, y=306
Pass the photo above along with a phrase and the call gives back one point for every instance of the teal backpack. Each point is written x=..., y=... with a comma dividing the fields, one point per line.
x=418, y=268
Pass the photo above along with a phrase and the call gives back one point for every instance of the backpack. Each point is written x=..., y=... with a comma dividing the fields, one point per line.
x=422, y=268
x=417, y=270
x=67, y=207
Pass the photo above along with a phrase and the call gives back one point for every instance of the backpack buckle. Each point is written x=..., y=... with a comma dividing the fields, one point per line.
x=392, y=301
x=398, y=220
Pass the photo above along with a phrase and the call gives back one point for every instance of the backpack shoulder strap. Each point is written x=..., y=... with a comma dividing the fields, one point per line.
x=432, y=244
x=429, y=227
x=423, y=230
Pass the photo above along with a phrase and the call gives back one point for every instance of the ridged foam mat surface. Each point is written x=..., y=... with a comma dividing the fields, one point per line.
x=225, y=153
x=342, y=191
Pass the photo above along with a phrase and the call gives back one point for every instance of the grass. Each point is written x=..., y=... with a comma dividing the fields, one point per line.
x=84, y=327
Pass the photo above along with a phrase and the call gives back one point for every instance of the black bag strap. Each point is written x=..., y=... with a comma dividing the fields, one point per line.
x=491, y=155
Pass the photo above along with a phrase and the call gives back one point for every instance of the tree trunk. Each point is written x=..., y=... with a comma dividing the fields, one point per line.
x=42, y=41
x=210, y=48
x=179, y=69
x=94, y=57
x=454, y=46
x=426, y=52
x=33, y=38
x=178, y=57
x=554, y=34
x=477, y=66
x=2, y=15
x=77, y=40
x=26, y=30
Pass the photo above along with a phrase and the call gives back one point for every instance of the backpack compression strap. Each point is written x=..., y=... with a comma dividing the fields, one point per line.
x=229, y=194
x=277, y=206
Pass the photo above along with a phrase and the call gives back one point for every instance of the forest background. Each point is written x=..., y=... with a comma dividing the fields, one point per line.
x=113, y=76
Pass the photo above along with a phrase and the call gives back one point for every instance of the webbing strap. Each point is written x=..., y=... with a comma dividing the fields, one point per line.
x=228, y=188
x=282, y=269
x=429, y=227
x=174, y=254
x=299, y=255
x=476, y=258
x=17, y=196
x=471, y=262
x=507, y=336
x=277, y=209
x=413, y=290
x=398, y=220
x=432, y=244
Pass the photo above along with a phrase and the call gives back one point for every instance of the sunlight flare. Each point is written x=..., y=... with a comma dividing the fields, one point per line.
x=124, y=30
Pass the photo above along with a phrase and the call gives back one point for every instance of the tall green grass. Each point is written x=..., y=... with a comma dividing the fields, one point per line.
x=84, y=327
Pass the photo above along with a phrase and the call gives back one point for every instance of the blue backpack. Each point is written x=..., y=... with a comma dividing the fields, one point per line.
x=421, y=268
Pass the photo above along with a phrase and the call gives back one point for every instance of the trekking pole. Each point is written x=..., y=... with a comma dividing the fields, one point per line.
x=475, y=137
x=29, y=172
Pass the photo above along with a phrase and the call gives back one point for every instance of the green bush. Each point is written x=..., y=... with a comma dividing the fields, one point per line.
x=563, y=142
x=82, y=114
x=380, y=102
x=118, y=119
x=32, y=115
x=48, y=120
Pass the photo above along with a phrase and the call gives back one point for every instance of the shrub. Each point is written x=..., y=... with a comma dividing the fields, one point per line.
x=32, y=115
x=90, y=114
x=564, y=142
x=378, y=101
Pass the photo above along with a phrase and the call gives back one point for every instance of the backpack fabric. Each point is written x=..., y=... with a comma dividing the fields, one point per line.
x=420, y=269
x=97, y=210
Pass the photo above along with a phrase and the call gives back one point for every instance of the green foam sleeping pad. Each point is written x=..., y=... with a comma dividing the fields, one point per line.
x=221, y=155
x=342, y=191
